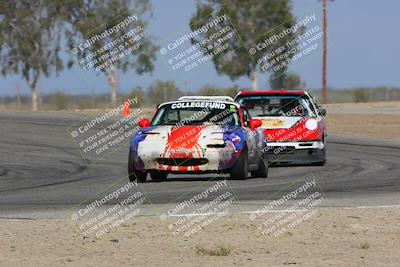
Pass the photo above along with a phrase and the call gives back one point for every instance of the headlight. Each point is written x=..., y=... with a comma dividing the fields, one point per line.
x=311, y=124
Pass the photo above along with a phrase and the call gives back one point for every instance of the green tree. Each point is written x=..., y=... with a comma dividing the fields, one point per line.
x=292, y=81
x=93, y=18
x=250, y=19
x=30, y=33
x=163, y=91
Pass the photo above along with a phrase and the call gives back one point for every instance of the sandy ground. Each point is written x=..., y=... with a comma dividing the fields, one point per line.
x=332, y=237
x=371, y=125
x=378, y=120
x=391, y=107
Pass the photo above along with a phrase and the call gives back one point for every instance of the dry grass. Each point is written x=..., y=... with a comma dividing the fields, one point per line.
x=364, y=245
x=217, y=251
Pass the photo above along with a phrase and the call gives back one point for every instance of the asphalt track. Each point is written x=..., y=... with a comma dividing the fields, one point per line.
x=41, y=169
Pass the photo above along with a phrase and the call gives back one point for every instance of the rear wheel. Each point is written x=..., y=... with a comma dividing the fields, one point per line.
x=240, y=170
x=135, y=175
x=158, y=175
x=262, y=170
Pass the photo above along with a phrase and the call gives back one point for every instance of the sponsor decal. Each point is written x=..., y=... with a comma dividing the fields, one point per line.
x=272, y=123
x=210, y=105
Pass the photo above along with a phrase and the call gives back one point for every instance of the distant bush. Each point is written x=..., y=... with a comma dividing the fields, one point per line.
x=361, y=95
x=162, y=91
x=86, y=103
x=216, y=91
x=59, y=101
x=139, y=93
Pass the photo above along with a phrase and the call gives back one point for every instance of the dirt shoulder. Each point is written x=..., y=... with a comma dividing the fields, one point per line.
x=334, y=236
x=362, y=125
x=378, y=120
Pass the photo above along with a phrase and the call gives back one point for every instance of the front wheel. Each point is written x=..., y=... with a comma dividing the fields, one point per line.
x=322, y=156
x=240, y=170
x=135, y=175
x=262, y=170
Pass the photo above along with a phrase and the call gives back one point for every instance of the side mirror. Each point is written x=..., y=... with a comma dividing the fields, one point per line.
x=254, y=123
x=144, y=123
x=322, y=111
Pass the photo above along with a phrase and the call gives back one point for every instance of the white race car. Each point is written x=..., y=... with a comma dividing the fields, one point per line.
x=198, y=135
x=293, y=124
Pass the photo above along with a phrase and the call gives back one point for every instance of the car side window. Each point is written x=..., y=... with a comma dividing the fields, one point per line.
x=246, y=116
x=313, y=104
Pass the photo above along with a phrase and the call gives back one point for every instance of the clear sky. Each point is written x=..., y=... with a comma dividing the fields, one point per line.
x=363, y=37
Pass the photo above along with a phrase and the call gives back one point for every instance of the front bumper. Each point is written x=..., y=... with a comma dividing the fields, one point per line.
x=206, y=160
x=296, y=152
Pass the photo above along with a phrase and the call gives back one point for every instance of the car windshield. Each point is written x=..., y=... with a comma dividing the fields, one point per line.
x=197, y=113
x=277, y=105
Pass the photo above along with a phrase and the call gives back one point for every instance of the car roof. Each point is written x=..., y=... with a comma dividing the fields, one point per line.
x=215, y=98
x=202, y=100
x=271, y=92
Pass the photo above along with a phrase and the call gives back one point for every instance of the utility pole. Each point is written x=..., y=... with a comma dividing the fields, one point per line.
x=324, y=96
x=324, y=53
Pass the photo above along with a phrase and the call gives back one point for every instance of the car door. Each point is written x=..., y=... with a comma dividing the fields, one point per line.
x=252, y=137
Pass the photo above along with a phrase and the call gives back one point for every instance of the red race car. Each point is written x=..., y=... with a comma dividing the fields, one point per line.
x=293, y=124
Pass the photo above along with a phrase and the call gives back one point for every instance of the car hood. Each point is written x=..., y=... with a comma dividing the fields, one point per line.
x=186, y=137
x=190, y=138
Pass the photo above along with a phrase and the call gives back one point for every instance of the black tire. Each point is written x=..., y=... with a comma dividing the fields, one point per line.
x=262, y=170
x=323, y=157
x=135, y=175
x=158, y=175
x=323, y=152
x=240, y=170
